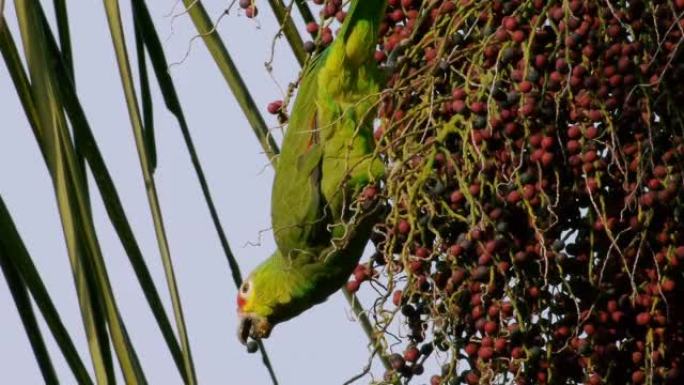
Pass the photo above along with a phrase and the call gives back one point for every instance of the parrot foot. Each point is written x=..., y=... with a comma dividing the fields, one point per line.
x=254, y=326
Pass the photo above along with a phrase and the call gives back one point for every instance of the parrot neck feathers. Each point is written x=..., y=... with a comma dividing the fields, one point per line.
x=284, y=287
x=371, y=11
x=277, y=282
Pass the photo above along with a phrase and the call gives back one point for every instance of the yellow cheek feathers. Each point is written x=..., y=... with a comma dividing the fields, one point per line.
x=253, y=306
x=273, y=291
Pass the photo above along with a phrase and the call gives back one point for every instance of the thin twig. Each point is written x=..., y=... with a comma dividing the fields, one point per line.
x=288, y=27
x=367, y=326
x=366, y=369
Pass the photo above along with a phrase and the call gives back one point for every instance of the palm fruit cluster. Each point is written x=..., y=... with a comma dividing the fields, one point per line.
x=535, y=164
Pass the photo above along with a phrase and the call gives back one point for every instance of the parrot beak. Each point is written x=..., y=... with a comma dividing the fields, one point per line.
x=252, y=325
x=244, y=329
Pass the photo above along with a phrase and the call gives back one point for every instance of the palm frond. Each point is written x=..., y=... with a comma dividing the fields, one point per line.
x=15, y=258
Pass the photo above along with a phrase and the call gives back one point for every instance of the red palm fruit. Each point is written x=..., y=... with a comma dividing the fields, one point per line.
x=471, y=349
x=404, y=227
x=275, y=107
x=491, y=327
x=541, y=377
x=459, y=106
x=326, y=36
x=638, y=377
x=456, y=197
x=501, y=35
x=592, y=131
x=472, y=378
x=396, y=361
x=574, y=132
x=361, y=272
x=513, y=197
x=643, y=318
x=478, y=107
x=493, y=311
x=500, y=345
x=353, y=286
x=594, y=379
x=251, y=11
x=617, y=316
x=667, y=285
x=487, y=341
x=477, y=312
x=485, y=353
x=312, y=27
x=396, y=297
x=529, y=191
x=411, y=354
x=422, y=253
x=525, y=86
x=458, y=94
x=518, y=36
x=660, y=171
x=510, y=23
x=517, y=352
x=340, y=15
x=533, y=292
x=416, y=266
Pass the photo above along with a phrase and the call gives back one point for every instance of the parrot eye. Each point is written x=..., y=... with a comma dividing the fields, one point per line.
x=243, y=294
x=244, y=289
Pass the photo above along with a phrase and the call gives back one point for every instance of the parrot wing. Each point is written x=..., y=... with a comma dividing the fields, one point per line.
x=303, y=221
x=299, y=212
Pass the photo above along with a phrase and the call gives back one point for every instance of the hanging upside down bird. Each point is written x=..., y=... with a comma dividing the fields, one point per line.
x=327, y=159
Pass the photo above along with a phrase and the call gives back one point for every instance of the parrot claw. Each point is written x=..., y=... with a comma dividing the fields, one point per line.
x=253, y=326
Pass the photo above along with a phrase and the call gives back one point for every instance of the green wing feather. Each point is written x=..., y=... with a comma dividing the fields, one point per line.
x=298, y=207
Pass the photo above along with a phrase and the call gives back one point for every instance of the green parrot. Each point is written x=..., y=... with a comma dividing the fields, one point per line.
x=319, y=225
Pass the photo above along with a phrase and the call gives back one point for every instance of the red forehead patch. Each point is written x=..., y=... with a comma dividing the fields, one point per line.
x=240, y=302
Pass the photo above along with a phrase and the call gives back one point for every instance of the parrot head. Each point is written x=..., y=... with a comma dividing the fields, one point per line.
x=250, y=322
x=274, y=292
x=280, y=289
